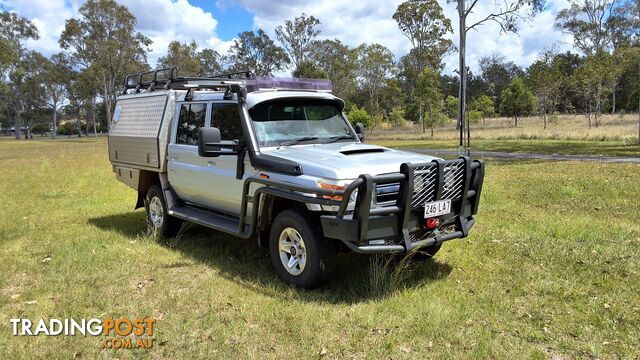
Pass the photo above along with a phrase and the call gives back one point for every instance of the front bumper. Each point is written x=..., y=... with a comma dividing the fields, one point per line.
x=400, y=227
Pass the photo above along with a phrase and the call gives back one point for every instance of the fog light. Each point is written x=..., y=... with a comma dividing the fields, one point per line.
x=432, y=223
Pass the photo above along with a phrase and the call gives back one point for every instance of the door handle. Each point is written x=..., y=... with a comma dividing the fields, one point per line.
x=211, y=163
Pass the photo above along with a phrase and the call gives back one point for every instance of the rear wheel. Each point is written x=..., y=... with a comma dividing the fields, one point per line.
x=299, y=253
x=158, y=219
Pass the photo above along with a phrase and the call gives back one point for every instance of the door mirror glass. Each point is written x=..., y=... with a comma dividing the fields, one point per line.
x=210, y=143
x=360, y=131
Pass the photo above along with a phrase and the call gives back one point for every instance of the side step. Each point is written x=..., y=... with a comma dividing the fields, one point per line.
x=209, y=219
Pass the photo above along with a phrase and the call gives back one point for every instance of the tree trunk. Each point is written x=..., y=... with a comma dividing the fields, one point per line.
x=462, y=92
x=421, y=117
x=613, y=101
x=107, y=104
x=93, y=116
x=17, y=125
x=598, y=105
x=516, y=121
x=54, y=127
x=544, y=120
x=78, y=124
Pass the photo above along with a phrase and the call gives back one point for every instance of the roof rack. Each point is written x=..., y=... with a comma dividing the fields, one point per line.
x=235, y=82
x=167, y=78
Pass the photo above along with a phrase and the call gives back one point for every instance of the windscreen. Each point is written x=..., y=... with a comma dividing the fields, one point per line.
x=283, y=122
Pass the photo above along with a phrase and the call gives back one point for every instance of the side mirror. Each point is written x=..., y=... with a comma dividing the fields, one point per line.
x=360, y=131
x=210, y=143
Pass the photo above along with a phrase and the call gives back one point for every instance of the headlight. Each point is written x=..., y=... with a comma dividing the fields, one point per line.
x=326, y=185
x=337, y=186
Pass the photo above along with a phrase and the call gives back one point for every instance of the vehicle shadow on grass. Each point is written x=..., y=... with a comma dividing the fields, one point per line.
x=247, y=264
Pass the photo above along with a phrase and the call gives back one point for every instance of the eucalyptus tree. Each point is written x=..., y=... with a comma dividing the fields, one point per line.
x=423, y=22
x=339, y=62
x=256, y=52
x=545, y=79
x=54, y=79
x=297, y=36
x=104, y=37
x=517, y=100
x=429, y=97
x=184, y=56
x=375, y=66
x=14, y=32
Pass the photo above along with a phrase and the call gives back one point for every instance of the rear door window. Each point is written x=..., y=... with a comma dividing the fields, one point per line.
x=191, y=119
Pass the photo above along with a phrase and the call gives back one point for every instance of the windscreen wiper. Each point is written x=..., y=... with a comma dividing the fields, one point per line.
x=297, y=140
x=333, y=139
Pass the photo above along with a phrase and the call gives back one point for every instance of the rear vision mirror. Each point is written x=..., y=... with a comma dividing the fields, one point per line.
x=210, y=143
x=360, y=131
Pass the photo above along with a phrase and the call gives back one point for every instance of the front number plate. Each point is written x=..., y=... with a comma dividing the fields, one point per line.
x=437, y=208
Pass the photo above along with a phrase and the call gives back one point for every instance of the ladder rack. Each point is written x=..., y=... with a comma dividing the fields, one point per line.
x=235, y=82
x=167, y=78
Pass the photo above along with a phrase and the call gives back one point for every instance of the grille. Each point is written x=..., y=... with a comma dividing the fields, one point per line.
x=387, y=194
x=453, y=174
x=424, y=183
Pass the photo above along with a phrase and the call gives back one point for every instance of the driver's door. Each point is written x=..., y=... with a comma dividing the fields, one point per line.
x=218, y=188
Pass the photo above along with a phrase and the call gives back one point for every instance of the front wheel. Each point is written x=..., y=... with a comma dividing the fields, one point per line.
x=299, y=253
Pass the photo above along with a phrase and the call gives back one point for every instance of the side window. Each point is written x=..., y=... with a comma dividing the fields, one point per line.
x=225, y=117
x=190, y=120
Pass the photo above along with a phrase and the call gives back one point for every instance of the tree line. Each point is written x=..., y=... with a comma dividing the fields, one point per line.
x=101, y=46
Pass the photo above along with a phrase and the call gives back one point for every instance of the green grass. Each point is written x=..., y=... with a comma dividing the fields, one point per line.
x=549, y=271
x=564, y=147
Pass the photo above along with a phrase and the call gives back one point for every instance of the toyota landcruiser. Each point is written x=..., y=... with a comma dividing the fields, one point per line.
x=277, y=160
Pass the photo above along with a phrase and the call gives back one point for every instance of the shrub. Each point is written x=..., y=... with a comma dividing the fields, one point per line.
x=475, y=116
x=67, y=128
x=358, y=115
x=621, y=114
x=396, y=117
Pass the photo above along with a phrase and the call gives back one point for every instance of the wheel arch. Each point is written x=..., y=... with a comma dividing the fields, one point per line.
x=147, y=179
x=270, y=207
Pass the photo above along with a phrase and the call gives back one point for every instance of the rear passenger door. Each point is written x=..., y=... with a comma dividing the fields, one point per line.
x=184, y=165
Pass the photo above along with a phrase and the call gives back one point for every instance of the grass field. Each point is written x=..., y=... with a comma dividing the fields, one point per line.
x=564, y=147
x=615, y=136
x=551, y=270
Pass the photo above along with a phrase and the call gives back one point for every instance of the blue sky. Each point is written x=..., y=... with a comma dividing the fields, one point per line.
x=232, y=17
x=215, y=23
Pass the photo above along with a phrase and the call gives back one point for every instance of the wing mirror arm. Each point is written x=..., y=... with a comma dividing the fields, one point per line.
x=360, y=131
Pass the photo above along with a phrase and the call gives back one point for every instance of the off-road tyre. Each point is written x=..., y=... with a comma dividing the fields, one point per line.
x=319, y=253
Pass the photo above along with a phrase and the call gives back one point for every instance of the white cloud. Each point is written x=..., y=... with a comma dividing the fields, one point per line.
x=355, y=22
x=165, y=20
x=161, y=20
x=352, y=22
x=533, y=37
x=48, y=16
